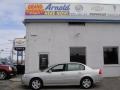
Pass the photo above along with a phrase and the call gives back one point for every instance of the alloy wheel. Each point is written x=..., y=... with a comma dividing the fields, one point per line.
x=86, y=83
x=36, y=84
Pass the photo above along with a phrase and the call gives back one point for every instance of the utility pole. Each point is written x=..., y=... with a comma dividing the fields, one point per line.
x=12, y=42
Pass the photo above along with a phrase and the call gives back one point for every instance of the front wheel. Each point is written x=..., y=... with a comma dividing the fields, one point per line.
x=35, y=84
x=3, y=75
x=86, y=83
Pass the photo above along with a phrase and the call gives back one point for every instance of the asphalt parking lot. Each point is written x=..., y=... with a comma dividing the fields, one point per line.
x=106, y=84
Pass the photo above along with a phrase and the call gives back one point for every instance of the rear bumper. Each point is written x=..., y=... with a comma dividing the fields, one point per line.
x=98, y=79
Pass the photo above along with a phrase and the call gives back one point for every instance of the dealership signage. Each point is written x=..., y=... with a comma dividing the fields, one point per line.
x=74, y=11
x=19, y=48
x=19, y=44
x=47, y=9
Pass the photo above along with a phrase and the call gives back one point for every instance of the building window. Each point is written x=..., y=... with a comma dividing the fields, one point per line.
x=78, y=54
x=110, y=55
x=43, y=61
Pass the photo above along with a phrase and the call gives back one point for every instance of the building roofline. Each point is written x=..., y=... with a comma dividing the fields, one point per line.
x=69, y=1
x=69, y=20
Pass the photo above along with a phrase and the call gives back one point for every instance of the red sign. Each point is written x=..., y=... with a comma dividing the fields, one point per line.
x=35, y=9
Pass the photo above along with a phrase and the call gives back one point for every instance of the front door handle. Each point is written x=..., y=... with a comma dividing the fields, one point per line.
x=79, y=72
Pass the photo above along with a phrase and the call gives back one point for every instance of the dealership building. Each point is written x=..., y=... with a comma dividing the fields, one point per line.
x=73, y=32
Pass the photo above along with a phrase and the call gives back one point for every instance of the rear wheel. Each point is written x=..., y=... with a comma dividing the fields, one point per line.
x=86, y=82
x=35, y=84
x=3, y=75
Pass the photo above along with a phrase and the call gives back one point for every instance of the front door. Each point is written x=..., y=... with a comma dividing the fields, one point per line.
x=55, y=76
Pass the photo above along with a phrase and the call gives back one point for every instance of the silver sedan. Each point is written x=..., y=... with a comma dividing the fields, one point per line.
x=63, y=74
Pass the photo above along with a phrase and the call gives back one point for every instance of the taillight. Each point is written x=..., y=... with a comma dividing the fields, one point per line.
x=100, y=71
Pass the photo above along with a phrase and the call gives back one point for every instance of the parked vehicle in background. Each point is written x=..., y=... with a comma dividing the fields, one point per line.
x=64, y=74
x=7, y=70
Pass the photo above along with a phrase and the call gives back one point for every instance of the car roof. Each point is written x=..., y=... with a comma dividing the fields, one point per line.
x=73, y=63
x=70, y=63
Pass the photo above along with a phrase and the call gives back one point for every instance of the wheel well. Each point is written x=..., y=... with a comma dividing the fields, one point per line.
x=3, y=71
x=36, y=78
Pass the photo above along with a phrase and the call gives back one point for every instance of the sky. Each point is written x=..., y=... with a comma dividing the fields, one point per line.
x=12, y=16
x=11, y=26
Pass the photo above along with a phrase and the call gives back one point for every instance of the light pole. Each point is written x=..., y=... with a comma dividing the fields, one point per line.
x=11, y=41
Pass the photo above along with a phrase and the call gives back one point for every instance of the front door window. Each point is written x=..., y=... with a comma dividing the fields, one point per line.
x=58, y=68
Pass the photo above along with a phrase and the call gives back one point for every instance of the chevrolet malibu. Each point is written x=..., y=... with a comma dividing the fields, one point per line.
x=63, y=74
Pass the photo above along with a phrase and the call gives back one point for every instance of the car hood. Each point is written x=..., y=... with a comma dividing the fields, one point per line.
x=3, y=65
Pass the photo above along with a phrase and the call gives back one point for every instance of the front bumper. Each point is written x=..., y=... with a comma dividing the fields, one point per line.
x=11, y=73
x=25, y=80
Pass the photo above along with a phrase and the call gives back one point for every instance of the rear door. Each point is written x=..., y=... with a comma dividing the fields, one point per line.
x=72, y=73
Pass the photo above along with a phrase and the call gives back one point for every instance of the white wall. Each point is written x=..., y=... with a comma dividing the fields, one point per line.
x=57, y=38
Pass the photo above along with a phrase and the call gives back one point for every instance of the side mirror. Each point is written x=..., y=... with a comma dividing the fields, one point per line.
x=49, y=71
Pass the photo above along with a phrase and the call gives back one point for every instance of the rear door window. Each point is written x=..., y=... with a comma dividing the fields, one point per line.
x=75, y=67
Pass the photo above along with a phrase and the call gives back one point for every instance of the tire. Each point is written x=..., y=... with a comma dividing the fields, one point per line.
x=3, y=75
x=35, y=84
x=86, y=83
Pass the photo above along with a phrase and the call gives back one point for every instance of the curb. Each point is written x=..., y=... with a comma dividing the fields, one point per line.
x=15, y=79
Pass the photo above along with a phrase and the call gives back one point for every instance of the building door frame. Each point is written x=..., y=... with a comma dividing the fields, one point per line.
x=41, y=67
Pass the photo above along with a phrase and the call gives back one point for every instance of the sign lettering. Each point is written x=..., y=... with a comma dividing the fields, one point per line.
x=52, y=7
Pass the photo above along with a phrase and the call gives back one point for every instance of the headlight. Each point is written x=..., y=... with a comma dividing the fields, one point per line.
x=10, y=68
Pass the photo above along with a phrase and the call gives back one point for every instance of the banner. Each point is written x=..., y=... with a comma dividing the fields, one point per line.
x=72, y=11
x=47, y=9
